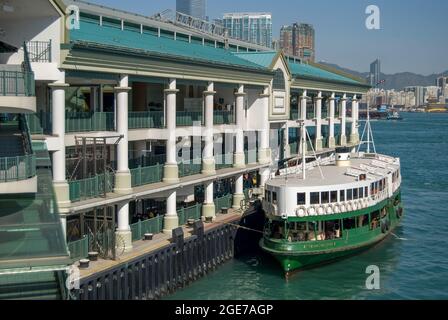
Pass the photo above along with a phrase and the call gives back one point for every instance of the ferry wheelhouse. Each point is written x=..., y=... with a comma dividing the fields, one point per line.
x=340, y=209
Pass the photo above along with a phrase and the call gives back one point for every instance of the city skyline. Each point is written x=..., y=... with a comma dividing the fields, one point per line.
x=347, y=18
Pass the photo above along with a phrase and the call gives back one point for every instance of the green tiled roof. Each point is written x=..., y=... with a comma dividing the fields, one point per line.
x=306, y=70
x=90, y=31
x=297, y=69
x=263, y=59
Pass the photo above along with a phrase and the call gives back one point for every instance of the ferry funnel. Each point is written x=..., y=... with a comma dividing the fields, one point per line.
x=343, y=158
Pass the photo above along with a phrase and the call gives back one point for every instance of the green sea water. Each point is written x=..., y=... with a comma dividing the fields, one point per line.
x=413, y=264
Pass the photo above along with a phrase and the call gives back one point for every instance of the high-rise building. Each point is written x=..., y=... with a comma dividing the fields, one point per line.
x=375, y=73
x=251, y=27
x=298, y=40
x=442, y=83
x=419, y=94
x=194, y=8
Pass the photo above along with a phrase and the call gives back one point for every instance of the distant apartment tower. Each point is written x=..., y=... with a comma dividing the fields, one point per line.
x=194, y=8
x=375, y=73
x=442, y=83
x=298, y=40
x=419, y=94
x=251, y=27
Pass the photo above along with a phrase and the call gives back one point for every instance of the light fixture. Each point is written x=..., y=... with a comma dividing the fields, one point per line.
x=7, y=7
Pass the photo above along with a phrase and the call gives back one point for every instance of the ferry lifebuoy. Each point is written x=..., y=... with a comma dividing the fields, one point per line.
x=329, y=209
x=301, y=212
x=336, y=208
x=312, y=211
x=349, y=207
x=343, y=207
x=354, y=206
x=321, y=211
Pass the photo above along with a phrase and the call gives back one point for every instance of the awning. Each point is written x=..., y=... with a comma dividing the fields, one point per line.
x=6, y=48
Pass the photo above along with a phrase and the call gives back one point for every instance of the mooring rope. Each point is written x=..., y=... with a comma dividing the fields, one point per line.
x=240, y=227
x=398, y=238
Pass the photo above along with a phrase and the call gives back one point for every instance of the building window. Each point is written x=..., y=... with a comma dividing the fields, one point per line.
x=301, y=199
x=279, y=80
x=315, y=198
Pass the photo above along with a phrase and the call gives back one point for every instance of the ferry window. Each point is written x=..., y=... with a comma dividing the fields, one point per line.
x=349, y=194
x=334, y=196
x=366, y=192
x=342, y=195
x=314, y=198
x=274, y=197
x=349, y=223
x=365, y=220
x=301, y=199
x=269, y=196
x=361, y=191
x=355, y=194
x=325, y=197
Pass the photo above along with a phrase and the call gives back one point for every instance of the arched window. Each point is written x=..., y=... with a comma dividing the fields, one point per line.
x=279, y=80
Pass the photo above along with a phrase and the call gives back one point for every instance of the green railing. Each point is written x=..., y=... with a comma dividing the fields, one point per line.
x=79, y=249
x=89, y=121
x=294, y=114
x=146, y=120
x=223, y=202
x=251, y=156
x=224, y=161
x=185, y=214
x=17, y=168
x=324, y=114
x=39, y=122
x=147, y=175
x=140, y=228
x=223, y=117
x=186, y=118
x=39, y=51
x=91, y=187
x=17, y=83
x=190, y=168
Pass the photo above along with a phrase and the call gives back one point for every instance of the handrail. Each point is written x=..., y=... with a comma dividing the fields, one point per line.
x=17, y=168
x=40, y=51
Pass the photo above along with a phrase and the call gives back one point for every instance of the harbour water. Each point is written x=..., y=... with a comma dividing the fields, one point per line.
x=413, y=263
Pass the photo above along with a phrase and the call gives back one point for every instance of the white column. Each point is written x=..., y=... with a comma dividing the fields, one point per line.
x=286, y=148
x=238, y=196
x=343, y=141
x=264, y=152
x=123, y=175
x=319, y=121
x=60, y=184
x=208, y=209
x=208, y=161
x=354, y=136
x=303, y=102
x=123, y=234
x=171, y=170
x=171, y=220
x=239, y=157
x=332, y=140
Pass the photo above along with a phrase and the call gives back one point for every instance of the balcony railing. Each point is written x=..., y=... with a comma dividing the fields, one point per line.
x=146, y=175
x=224, y=161
x=223, y=202
x=39, y=123
x=190, y=168
x=17, y=83
x=79, y=249
x=294, y=114
x=146, y=120
x=89, y=121
x=187, y=118
x=91, y=187
x=223, y=117
x=39, y=51
x=251, y=156
x=185, y=214
x=17, y=168
x=154, y=226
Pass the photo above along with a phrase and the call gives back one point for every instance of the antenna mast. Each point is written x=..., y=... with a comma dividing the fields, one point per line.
x=370, y=141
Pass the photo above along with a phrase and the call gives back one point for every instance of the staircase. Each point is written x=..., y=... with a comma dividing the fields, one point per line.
x=30, y=286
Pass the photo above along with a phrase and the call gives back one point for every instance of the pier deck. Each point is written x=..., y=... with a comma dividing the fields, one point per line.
x=142, y=248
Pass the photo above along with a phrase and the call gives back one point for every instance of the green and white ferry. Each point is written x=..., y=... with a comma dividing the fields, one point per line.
x=331, y=208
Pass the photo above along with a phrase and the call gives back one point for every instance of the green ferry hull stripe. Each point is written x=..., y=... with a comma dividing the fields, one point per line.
x=298, y=255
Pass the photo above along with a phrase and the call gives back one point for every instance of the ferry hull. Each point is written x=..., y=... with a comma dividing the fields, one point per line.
x=298, y=256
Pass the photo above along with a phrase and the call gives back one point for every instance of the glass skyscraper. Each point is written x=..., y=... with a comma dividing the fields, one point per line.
x=194, y=8
x=251, y=27
x=375, y=73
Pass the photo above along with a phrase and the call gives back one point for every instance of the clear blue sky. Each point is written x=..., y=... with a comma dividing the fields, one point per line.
x=413, y=35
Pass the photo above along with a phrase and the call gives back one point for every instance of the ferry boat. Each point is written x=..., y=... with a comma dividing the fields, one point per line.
x=328, y=211
x=394, y=116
